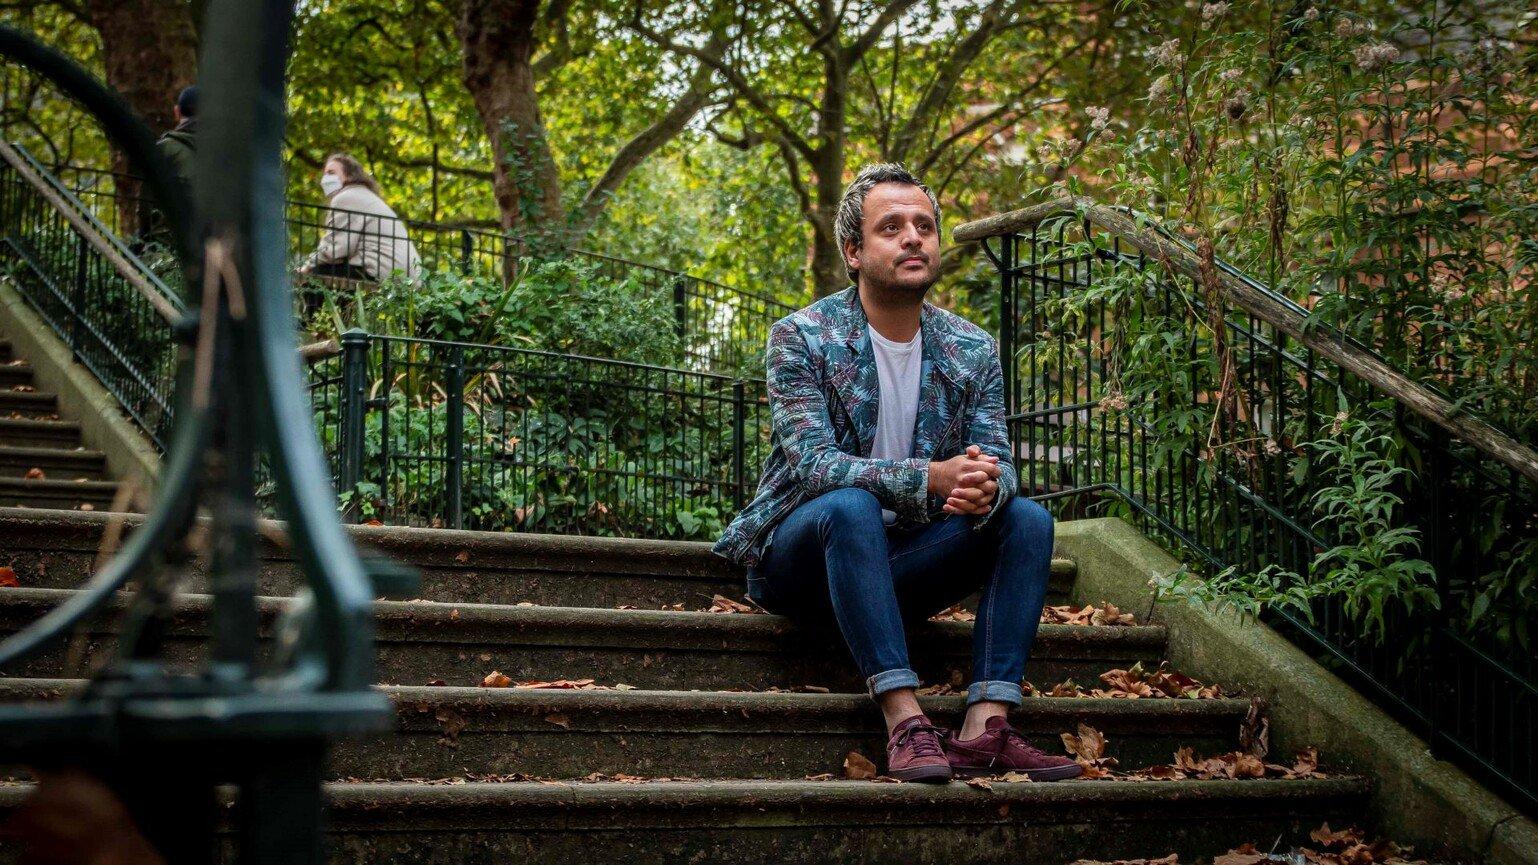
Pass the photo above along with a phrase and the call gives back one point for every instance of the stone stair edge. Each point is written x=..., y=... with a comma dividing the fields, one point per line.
x=547, y=700
x=465, y=548
x=474, y=620
x=387, y=802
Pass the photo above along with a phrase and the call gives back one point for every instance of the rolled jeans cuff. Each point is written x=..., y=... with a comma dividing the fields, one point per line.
x=995, y=692
x=891, y=680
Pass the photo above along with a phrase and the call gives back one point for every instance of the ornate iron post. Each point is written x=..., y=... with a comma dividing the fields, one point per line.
x=165, y=737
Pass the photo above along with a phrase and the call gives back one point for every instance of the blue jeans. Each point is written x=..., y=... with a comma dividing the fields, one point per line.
x=835, y=551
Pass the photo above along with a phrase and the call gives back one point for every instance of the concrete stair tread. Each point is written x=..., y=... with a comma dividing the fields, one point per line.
x=59, y=484
x=802, y=793
x=490, y=567
x=450, y=622
x=30, y=403
x=445, y=730
x=74, y=463
x=461, y=643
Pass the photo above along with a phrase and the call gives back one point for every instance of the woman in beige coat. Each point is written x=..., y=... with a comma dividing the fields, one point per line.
x=364, y=238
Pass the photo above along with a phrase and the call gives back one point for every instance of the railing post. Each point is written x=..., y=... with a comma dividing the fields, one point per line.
x=739, y=442
x=354, y=404
x=466, y=251
x=1007, y=320
x=77, y=295
x=680, y=306
x=456, y=437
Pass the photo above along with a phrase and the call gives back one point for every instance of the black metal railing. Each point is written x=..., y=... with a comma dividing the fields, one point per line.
x=457, y=435
x=720, y=328
x=1247, y=450
x=115, y=317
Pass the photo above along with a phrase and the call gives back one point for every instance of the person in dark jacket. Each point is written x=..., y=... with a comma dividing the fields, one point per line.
x=179, y=145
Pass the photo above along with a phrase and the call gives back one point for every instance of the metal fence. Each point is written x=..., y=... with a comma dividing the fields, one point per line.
x=721, y=328
x=1228, y=474
x=457, y=435
x=57, y=254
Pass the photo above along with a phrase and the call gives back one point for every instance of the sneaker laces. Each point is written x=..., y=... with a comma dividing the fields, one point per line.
x=1013, y=735
x=922, y=746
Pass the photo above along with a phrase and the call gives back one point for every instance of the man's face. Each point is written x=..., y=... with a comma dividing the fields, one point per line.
x=900, y=246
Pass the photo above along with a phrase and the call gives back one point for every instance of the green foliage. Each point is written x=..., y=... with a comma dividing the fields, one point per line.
x=1367, y=162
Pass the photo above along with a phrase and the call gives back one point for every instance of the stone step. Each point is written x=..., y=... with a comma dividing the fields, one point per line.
x=5, y=351
x=775, y=822
x=444, y=732
x=55, y=463
x=14, y=372
x=56, y=494
x=31, y=432
x=422, y=641
x=56, y=550
x=31, y=404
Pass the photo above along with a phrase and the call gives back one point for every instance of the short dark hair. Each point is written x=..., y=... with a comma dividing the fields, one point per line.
x=850, y=220
x=187, y=100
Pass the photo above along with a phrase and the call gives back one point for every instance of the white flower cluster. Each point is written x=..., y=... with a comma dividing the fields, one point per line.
x=1311, y=14
x=1168, y=53
x=1213, y=11
x=1348, y=28
x=1099, y=118
x=1231, y=74
x=1374, y=56
x=1159, y=90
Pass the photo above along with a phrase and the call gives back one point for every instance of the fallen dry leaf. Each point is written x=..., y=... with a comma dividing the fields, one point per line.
x=1244, y=854
x=1171, y=859
x=559, y=720
x=980, y=783
x=1087, y=747
x=954, y=614
x=8, y=579
x=1105, y=615
x=451, y=723
x=34, y=474
x=495, y=679
x=723, y=604
x=858, y=768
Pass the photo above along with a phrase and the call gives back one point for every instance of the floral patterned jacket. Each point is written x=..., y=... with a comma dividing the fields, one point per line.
x=823, y=393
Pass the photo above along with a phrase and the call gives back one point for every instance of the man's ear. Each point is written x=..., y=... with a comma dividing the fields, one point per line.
x=851, y=256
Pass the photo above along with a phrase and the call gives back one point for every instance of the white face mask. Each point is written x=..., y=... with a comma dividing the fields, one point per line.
x=330, y=183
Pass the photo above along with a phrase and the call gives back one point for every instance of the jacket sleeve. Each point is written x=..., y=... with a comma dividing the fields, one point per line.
x=986, y=429
x=798, y=409
x=340, y=241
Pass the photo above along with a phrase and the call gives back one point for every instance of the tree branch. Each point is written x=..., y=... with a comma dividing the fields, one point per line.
x=872, y=34
x=947, y=76
x=660, y=132
x=733, y=76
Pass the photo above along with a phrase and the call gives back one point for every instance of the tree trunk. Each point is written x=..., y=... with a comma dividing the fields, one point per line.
x=498, y=39
x=149, y=49
x=828, y=272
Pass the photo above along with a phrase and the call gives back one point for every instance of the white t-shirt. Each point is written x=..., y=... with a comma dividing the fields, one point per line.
x=898, y=369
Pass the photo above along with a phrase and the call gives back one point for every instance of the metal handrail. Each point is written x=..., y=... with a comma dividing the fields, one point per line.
x=1277, y=310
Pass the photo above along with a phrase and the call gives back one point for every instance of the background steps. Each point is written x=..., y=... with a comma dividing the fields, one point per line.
x=31, y=432
x=56, y=463
x=21, y=492
x=32, y=404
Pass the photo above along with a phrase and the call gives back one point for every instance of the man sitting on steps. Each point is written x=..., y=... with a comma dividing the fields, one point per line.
x=888, y=492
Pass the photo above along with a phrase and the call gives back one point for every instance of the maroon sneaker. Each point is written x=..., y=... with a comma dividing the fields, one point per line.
x=914, y=752
x=1001, y=748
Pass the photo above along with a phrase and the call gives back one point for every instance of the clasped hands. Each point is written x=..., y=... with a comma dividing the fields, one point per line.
x=969, y=481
